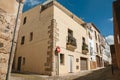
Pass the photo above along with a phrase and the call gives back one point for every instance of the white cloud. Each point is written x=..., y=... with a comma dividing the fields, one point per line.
x=111, y=19
x=33, y=2
x=110, y=39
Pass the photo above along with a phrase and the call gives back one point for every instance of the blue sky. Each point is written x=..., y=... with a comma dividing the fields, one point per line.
x=98, y=12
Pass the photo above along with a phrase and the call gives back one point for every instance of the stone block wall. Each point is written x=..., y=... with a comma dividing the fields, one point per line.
x=7, y=22
x=7, y=26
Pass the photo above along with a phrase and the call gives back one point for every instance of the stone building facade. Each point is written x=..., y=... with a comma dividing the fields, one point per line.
x=8, y=15
x=116, y=19
x=105, y=50
x=94, y=45
x=53, y=41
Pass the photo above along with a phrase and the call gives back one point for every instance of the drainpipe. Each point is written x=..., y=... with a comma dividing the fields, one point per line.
x=11, y=56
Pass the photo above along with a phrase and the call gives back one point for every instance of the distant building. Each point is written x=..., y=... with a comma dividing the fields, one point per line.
x=54, y=41
x=106, y=54
x=94, y=45
x=116, y=18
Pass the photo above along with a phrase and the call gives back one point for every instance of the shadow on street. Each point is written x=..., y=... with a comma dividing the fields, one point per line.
x=101, y=74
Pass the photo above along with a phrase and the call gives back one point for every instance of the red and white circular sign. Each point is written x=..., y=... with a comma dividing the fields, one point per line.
x=58, y=49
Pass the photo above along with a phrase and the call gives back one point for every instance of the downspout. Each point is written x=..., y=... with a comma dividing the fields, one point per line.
x=11, y=56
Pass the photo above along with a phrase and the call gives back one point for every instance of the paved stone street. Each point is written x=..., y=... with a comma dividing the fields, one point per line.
x=101, y=74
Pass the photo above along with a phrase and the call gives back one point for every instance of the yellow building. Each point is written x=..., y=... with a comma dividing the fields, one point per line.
x=45, y=30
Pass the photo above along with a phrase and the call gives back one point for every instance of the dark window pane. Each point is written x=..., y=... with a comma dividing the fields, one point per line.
x=31, y=36
x=62, y=58
x=24, y=21
x=22, y=40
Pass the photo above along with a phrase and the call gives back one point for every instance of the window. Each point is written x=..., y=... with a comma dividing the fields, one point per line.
x=89, y=35
x=100, y=49
x=70, y=39
x=61, y=58
x=99, y=38
x=83, y=40
x=24, y=61
x=24, y=21
x=31, y=36
x=84, y=45
x=77, y=67
x=22, y=40
x=91, y=49
x=97, y=47
x=70, y=32
x=77, y=59
x=95, y=35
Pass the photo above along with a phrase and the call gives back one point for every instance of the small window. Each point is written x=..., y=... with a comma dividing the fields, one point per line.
x=61, y=58
x=70, y=32
x=99, y=38
x=24, y=21
x=97, y=47
x=83, y=39
x=100, y=49
x=77, y=67
x=91, y=49
x=31, y=36
x=95, y=35
x=24, y=61
x=77, y=59
x=22, y=40
x=89, y=33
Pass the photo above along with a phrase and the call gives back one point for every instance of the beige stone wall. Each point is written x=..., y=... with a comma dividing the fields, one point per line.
x=8, y=14
x=10, y=6
x=50, y=29
x=65, y=22
x=5, y=39
x=36, y=52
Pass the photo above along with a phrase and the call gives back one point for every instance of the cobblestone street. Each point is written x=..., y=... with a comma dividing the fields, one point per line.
x=101, y=74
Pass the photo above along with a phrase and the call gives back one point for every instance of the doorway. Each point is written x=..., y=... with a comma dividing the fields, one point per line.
x=70, y=63
x=19, y=64
x=98, y=61
x=83, y=64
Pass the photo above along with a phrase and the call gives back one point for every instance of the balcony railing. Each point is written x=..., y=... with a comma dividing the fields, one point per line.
x=84, y=48
x=71, y=43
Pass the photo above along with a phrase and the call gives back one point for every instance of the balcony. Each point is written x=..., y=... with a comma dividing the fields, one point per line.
x=71, y=43
x=85, y=48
